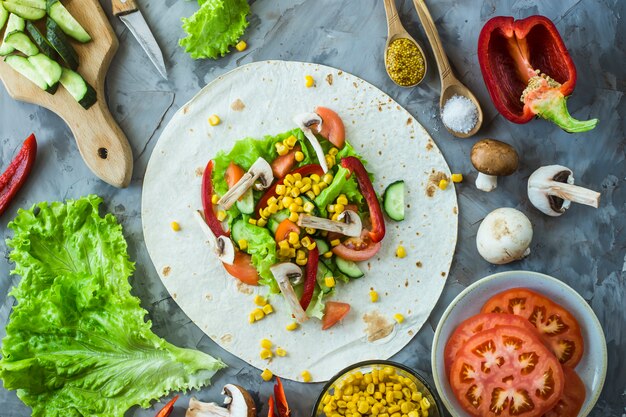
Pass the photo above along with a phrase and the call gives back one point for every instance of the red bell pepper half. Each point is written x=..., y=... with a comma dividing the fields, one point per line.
x=311, y=278
x=355, y=166
x=167, y=410
x=207, y=204
x=13, y=178
x=528, y=71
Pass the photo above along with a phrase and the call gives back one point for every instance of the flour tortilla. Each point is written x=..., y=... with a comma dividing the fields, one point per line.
x=260, y=99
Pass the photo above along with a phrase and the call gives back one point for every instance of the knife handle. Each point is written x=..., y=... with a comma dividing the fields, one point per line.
x=121, y=7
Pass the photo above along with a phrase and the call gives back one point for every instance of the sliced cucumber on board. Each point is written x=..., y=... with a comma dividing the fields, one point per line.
x=4, y=15
x=28, y=70
x=78, y=88
x=349, y=268
x=68, y=24
x=20, y=41
x=15, y=23
x=40, y=40
x=25, y=12
x=393, y=201
x=61, y=44
x=49, y=69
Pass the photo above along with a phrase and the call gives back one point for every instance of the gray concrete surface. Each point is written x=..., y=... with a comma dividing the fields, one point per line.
x=585, y=248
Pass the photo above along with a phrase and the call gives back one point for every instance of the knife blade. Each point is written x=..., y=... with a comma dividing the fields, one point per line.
x=129, y=13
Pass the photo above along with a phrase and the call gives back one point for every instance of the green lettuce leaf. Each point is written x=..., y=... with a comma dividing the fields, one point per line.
x=261, y=247
x=215, y=27
x=77, y=342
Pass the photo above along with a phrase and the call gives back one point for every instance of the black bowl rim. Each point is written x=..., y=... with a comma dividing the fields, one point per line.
x=383, y=362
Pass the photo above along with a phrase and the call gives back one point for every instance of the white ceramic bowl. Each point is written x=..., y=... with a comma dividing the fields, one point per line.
x=592, y=367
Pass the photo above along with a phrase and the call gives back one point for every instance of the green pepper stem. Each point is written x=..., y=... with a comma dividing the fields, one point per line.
x=552, y=105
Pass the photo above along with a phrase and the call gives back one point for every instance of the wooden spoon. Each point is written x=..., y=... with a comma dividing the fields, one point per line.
x=450, y=85
x=100, y=140
x=395, y=30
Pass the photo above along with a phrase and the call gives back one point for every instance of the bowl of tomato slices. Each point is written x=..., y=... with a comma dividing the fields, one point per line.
x=519, y=343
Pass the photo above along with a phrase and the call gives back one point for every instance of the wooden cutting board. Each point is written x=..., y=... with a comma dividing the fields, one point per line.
x=100, y=140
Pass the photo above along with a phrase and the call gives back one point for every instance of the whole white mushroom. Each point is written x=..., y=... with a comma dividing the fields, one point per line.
x=504, y=236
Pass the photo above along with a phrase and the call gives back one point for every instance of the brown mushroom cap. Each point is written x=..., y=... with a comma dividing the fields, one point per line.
x=492, y=157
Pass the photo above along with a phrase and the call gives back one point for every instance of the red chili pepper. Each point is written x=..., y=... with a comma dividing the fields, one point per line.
x=528, y=71
x=311, y=278
x=353, y=164
x=305, y=171
x=281, y=399
x=167, y=410
x=207, y=204
x=17, y=172
x=270, y=407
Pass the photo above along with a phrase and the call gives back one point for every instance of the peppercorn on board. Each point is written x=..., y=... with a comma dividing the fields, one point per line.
x=395, y=146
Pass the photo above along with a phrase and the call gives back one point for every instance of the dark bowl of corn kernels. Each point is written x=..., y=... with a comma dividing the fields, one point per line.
x=377, y=388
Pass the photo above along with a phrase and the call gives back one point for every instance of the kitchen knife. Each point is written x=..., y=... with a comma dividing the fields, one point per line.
x=130, y=14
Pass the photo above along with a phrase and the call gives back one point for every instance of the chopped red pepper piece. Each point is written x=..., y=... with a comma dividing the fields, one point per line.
x=311, y=278
x=270, y=407
x=353, y=164
x=207, y=204
x=281, y=399
x=305, y=171
x=528, y=71
x=17, y=172
x=167, y=410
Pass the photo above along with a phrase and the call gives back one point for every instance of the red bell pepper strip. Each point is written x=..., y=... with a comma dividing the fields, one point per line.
x=305, y=171
x=528, y=71
x=355, y=166
x=207, y=204
x=270, y=407
x=167, y=410
x=281, y=399
x=311, y=278
x=17, y=172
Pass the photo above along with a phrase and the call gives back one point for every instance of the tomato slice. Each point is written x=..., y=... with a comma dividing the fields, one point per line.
x=284, y=228
x=242, y=269
x=557, y=326
x=357, y=248
x=332, y=126
x=506, y=371
x=233, y=174
x=283, y=164
x=573, y=397
x=334, y=312
x=476, y=324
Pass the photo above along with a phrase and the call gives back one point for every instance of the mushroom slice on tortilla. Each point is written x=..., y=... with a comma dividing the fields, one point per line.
x=493, y=159
x=305, y=121
x=238, y=403
x=285, y=273
x=260, y=175
x=222, y=246
x=551, y=190
x=351, y=226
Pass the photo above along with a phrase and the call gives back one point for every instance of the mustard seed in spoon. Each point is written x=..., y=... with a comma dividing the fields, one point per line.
x=405, y=62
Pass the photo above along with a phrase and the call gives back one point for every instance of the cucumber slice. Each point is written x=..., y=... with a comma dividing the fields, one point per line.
x=15, y=23
x=78, y=88
x=272, y=225
x=40, y=40
x=25, y=12
x=35, y=4
x=4, y=15
x=349, y=268
x=61, y=44
x=393, y=201
x=49, y=70
x=21, y=42
x=68, y=24
x=246, y=204
x=280, y=216
x=322, y=246
x=24, y=67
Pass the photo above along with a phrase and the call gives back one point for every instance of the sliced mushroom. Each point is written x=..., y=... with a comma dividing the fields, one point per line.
x=351, y=226
x=284, y=273
x=551, y=190
x=504, y=236
x=493, y=159
x=238, y=403
x=260, y=172
x=222, y=246
x=305, y=121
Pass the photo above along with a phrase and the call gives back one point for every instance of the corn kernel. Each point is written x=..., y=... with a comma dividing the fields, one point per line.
x=401, y=251
x=308, y=207
x=328, y=254
x=260, y=300
x=291, y=141
x=306, y=376
x=175, y=226
x=335, y=242
x=310, y=230
x=214, y=120
x=363, y=408
x=414, y=413
x=297, y=176
x=221, y=215
x=251, y=318
x=393, y=409
x=373, y=296
x=295, y=192
x=311, y=246
x=280, y=189
x=342, y=199
x=443, y=184
x=266, y=374
x=215, y=198
x=316, y=189
x=243, y=244
x=306, y=241
x=300, y=254
x=281, y=149
x=294, y=217
x=329, y=282
x=457, y=177
x=265, y=213
x=266, y=344
x=328, y=178
x=258, y=314
x=292, y=326
x=273, y=208
x=268, y=309
x=305, y=188
x=281, y=352
x=301, y=262
x=294, y=238
x=309, y=81
x=398, y=317
x=299, y=156
x=339, y=208
x=266, y=354
x=261, y=222
x=335, y=217
x=333, y=151
x=425, y=404
x=292, y=252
